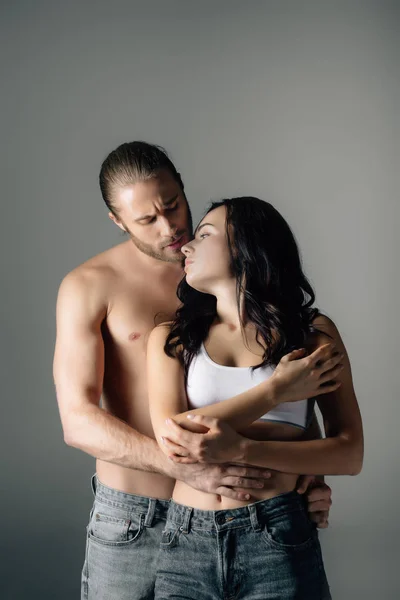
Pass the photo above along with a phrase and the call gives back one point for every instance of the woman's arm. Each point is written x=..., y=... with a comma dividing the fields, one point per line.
x=167, y=394
x=341, y=452
x=294, y=379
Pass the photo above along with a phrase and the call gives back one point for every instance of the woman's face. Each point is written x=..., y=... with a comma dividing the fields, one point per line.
x=208, y=260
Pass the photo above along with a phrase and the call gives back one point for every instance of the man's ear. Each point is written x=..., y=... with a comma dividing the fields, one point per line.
x=116, y=221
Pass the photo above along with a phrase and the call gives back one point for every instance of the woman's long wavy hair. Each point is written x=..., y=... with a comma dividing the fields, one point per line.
x=270, y=285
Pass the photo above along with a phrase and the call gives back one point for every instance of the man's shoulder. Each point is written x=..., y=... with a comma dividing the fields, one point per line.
x=89, y=276
x=93, y=279
x=97, y=270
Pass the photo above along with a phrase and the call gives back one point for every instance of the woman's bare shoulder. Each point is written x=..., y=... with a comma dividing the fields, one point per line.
x=325, y=332
x=158, y=336
x=324, y=323
x=161, y=331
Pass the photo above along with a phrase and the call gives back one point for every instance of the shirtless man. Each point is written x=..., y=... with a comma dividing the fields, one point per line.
x=105, y=310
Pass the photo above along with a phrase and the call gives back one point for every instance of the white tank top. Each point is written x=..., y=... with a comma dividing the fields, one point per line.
x=209, y=382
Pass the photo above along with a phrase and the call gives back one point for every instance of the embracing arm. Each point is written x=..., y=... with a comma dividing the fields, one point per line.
x=341, y=452
x=78, y=374
x=292, y=380
x=167, y=394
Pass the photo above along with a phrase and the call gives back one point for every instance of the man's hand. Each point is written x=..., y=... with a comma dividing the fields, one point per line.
x=230, y=481
x=319, y=498
x=220, y=444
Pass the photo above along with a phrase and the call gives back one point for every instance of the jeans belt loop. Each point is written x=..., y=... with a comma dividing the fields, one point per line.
x=255, y=523
x=148, y=522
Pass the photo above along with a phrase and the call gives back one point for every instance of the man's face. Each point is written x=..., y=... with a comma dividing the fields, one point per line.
x=156, y=215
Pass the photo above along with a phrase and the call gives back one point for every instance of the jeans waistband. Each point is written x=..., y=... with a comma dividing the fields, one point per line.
x=152, y=508
x=255, y=514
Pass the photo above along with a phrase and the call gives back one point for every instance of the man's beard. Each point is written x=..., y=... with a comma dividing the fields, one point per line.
x=158, y=253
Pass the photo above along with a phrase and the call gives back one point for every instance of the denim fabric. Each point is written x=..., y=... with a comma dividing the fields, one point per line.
x=268, y=550
x=122, y=545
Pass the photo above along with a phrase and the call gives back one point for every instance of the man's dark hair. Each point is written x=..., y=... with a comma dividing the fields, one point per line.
x=132, y=162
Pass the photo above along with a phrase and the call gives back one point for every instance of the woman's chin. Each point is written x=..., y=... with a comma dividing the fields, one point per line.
x=199, y=286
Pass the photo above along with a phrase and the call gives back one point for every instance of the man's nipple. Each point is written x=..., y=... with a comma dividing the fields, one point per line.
x=134, y=336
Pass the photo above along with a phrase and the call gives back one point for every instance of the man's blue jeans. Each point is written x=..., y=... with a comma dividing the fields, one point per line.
x=122, y=545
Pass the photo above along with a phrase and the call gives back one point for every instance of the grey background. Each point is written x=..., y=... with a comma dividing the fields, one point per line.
x=291, y=101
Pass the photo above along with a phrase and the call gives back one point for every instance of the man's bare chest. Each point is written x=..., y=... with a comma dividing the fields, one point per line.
x=134, y=311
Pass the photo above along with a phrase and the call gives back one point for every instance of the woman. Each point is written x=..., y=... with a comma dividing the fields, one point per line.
x=246, y=304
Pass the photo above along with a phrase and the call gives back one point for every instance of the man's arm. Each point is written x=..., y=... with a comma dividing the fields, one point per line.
x=78, y=370
x=78, y=374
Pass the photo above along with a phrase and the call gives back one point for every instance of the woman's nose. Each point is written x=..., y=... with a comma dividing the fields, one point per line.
x=186, y=249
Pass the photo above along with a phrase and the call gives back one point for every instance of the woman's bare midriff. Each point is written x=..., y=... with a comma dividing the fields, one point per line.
x=278, y=484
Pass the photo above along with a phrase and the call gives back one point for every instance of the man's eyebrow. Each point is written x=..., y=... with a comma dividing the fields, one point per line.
x=171, y=201
x=201, y=227
x=165, y=205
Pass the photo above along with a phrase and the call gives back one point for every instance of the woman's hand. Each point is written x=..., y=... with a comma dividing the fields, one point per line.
x=296, y=378
x=219, y=444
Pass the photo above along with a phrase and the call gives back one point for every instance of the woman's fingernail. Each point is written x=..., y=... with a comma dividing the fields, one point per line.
x=247, y=496
x=163, y=440
x=189, y=416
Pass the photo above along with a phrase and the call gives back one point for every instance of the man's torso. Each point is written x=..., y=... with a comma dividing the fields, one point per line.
x=138, y=298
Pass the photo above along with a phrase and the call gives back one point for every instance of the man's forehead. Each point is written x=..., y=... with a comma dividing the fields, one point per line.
x=142, y=195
